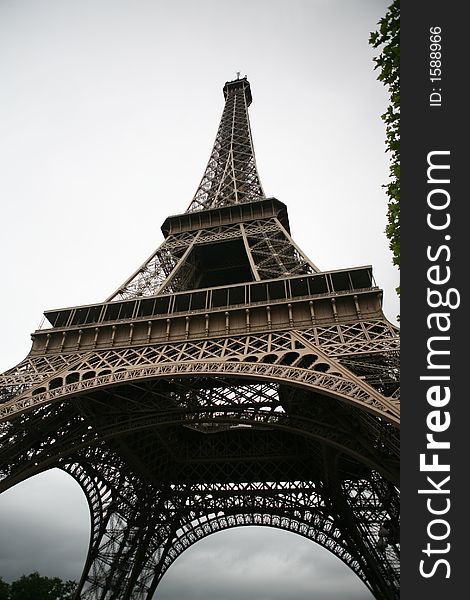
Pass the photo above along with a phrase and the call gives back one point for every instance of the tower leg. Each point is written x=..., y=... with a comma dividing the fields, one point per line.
x=131, y=523
x=362, y=508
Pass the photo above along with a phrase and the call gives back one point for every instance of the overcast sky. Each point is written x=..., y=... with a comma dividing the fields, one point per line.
x=108, y=113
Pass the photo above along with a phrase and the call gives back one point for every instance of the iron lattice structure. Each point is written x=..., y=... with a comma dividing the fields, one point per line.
x=227, y=382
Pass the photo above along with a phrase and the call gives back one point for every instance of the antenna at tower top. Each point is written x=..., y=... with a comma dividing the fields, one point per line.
x=238, y=74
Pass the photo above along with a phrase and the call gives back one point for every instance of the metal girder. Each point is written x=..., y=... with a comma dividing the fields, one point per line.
x=231, y=176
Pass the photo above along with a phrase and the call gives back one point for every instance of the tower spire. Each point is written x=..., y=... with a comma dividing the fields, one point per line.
x=231, y=176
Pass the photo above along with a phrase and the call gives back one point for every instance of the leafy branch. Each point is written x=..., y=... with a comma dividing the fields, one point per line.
x=387, y=39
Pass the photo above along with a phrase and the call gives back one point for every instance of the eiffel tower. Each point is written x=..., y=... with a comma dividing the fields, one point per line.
x=227, y=382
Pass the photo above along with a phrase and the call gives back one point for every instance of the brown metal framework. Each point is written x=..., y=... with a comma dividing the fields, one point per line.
x=227, y=382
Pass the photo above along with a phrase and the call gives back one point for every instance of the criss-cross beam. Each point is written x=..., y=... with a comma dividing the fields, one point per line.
x=145, y=527
x=45, y=437
x=231, y=176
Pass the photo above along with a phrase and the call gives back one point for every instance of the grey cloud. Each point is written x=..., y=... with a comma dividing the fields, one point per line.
x=256, y=563
x=44, y=526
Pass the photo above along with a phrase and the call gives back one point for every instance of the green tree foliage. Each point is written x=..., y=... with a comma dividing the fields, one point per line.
x=36, y=587
x=4, y=590
x=387, y=39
